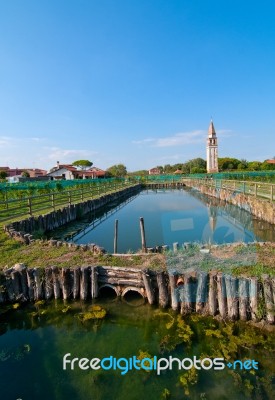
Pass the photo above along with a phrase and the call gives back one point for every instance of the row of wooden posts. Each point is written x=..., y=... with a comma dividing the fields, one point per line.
x=209, y=293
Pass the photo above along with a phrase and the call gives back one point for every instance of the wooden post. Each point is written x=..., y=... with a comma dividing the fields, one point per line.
x=65, y=282
x=142, y=231
x=38, y=284
x=212, y=293
x=221, y=294
x=175, y=247
x=186, y=298
x=255, y=190
x=24, y=282
x=148, y=286
x=30, y=206
x=76, y=283
x=253, y=297
x=56, y=283
x=10, y=289
x=243, y=298
x=94, y=282
x=48, y=283
x=232, y=299
x=271, y=193
x=163, y=293
x=84, y=276
x=53, y=201
x=16, y=284
x=173, y=291
x=115, y=237
x=30, y=280
x=201, y=295
x=268, y=296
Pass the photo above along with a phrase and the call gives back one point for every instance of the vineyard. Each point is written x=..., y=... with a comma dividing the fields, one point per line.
x=28, y=199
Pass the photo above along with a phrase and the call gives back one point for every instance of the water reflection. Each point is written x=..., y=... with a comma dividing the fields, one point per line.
x=170, y=216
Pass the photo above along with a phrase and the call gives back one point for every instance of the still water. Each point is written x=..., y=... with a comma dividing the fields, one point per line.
x=170, y=216
x=34, y=339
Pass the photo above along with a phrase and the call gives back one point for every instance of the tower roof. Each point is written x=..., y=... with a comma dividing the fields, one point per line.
x=211, y=129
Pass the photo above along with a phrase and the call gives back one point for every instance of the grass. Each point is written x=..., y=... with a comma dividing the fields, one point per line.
x=241, y=260
x=237, y=260
x=39, y=254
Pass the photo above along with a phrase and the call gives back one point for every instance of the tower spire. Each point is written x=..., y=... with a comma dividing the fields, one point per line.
x=212, y=149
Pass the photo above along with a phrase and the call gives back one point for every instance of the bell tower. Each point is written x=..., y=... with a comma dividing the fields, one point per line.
x=212, y=150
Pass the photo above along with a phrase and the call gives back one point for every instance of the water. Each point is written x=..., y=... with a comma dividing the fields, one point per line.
x=34, y=339
x=170, y=216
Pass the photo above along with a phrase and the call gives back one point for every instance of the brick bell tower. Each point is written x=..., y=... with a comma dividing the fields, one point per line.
x=212, y=150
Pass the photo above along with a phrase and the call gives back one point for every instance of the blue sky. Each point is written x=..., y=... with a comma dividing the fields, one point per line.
x=135, y=81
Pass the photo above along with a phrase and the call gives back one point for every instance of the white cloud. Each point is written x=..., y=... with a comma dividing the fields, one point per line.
x=67, y=155
x=178, y=139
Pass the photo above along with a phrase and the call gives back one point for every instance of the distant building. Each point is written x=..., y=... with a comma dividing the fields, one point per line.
x=68, y=172
x=33, y=172
x=154, y=171
x=212, y=150
x=270, y=161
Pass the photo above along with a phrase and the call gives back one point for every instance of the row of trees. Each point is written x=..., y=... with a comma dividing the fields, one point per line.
x=193, y=166
x=198, y=165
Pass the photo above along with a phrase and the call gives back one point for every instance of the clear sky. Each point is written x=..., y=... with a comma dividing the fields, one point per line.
x=135, y=81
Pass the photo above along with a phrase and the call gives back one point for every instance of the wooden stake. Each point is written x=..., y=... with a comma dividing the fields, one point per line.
x=221, y=293
x=84, y=276
x=30, y=280
x=48, y=283
x=268, y=296
x=243, y=298
x=212, y=293
x=232, y=299
x=76, y=283
x=38, y=286
x=173, y=291
x=163, y=293
x=201, y=295
x=142, y=231
x=253, y=296
x=94, y=282
x=56, y=283
x=148, y=286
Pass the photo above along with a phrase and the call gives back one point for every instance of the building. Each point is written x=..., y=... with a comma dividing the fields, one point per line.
x=212, y=150
x=68, y=172
x=16, y=172
x=154, y=171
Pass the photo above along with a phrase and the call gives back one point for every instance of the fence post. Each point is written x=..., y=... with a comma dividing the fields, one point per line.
x=70, y=198
x=142, y=231
x=271, y=192
x=244, y=188
x=255, y=189
x=82, y=195
x=53, y=201
x=30, y=206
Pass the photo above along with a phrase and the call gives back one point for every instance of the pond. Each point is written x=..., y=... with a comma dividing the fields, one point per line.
x=183, y=215
x=35, y=338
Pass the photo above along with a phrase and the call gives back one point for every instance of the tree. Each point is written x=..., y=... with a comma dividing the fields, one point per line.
x=3, y=174
x=82, y=164
x=254, y=165
x=228, y=163
x=25, y=174
x=118, y=171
